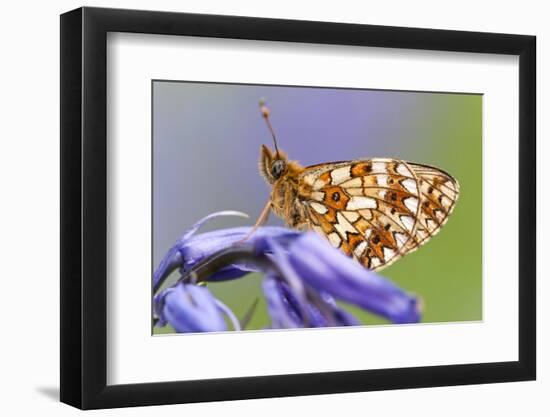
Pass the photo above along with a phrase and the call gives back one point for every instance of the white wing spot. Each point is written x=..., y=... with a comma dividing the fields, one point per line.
x=403, y=170
x=340, y=175
x=410, y=185
x=358, y=202
x=412, y=204
x=343, y=226
x=379, y=167
x=318, y=184
x=318, y=195
x=374, y=262
x=358, y=251
x=382, y=180
x=408, y=222
x=319, y=208
x=388, y=254
x=352, y=216
x=446, y=202
x=353, y=183
x=400, y=238
x=382, y=193
x=334, y=239
x=431, y=223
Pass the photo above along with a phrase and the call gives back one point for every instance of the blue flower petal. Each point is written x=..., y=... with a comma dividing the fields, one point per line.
x=283, y=316
x=189, y=309
x=341, y=316
x=192, y=248
x=171, y=261
x=328, y=269
x=209, y=243
x=284, y=308
x=287, y=312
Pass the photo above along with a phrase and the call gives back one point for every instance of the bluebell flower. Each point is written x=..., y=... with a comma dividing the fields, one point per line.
x=304, y=276
x=286, y=312
x=331, y=271
x=191, y=308
x=193, y=248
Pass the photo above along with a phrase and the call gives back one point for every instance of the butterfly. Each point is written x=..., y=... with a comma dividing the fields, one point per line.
x=375, y=210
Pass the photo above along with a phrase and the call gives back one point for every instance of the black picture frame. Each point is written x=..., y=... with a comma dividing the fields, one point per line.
x=84, y=207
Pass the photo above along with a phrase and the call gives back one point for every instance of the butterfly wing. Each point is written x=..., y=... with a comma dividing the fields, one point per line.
x=374, y=210
x=438, y=196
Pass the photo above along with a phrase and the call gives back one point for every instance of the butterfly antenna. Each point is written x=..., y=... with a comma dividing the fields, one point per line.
x=265, y=114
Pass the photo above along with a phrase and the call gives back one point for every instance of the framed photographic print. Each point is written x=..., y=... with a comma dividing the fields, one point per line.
x=259, y=207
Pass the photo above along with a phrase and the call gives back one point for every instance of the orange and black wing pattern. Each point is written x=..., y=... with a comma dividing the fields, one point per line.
x=379, y=209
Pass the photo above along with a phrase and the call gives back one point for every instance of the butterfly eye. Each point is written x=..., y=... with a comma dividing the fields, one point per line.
x=277, y=168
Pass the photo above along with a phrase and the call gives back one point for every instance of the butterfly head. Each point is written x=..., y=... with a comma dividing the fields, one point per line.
x=273, y=164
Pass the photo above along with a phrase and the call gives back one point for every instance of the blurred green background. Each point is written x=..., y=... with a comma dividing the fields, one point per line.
x=206, y=139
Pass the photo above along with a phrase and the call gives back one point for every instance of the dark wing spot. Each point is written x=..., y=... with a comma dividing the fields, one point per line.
x=376, y=240
x=336, y=196
x=387, y=227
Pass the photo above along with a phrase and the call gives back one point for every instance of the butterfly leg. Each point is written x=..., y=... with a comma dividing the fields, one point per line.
x=264, y=216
